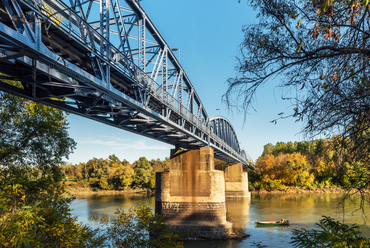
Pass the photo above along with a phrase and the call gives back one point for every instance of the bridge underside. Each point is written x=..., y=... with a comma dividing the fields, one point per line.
x=64, y=59
x=97, y=107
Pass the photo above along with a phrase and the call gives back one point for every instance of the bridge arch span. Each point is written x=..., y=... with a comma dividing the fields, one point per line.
x=224, y=130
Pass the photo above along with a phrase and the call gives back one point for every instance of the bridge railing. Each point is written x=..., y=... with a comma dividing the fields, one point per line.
x=74, y=25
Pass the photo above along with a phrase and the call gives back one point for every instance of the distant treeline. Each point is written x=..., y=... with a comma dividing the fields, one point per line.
x=307, y=164
x=112, y=173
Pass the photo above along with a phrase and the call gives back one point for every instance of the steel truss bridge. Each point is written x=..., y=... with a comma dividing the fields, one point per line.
x=105, y=60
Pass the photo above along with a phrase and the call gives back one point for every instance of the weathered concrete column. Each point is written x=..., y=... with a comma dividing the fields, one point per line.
x=191, y=196
x=236, y=181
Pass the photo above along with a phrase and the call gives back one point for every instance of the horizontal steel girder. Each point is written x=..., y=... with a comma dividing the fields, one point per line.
x=105, y=60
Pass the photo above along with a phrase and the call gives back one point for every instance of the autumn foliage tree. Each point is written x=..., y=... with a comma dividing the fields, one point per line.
x=319, y=52
x=283, y=170
x=316, y=163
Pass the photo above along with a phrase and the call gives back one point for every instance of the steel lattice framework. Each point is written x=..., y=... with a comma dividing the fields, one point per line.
x=105, y=60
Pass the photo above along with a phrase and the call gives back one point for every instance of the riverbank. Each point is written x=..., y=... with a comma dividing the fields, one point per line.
x=86, y=191
x=299, y=190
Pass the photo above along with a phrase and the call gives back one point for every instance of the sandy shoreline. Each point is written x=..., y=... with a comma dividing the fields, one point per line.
x=86, y=191
x=293, y=190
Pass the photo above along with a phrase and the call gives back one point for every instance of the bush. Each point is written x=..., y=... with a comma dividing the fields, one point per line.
x=331, y=233
x=33, y=212
x=138, y=227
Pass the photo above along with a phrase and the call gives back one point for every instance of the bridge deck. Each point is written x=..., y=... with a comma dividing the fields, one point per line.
x=113, y=67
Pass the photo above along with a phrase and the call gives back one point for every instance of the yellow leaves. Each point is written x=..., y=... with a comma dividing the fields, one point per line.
x=299, y=23
x=285, y=169
x=320, y=166
x=325, y=86
x=299, y=47
x=325, y=6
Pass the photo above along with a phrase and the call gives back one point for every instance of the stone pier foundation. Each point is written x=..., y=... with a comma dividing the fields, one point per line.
x=236, y=182
x=191, y=196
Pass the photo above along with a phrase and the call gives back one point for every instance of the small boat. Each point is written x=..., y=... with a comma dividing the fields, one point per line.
x=282, y=222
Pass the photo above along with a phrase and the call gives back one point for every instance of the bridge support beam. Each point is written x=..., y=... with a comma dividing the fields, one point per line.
x=236, y=182
x=191, y=196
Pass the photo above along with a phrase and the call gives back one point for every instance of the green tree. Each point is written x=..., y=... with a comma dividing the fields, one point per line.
x=160, y=165
x=33, y=210
x=114, y=161
x=267, y=149
x=352, y=176
x=34, y=220
x=32, y=133
x=143, y=172
x=124, y=176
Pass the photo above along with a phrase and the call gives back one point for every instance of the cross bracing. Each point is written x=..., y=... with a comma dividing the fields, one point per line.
x=105, y=60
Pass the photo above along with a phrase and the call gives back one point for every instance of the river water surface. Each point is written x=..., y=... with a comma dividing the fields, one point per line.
x=303, y=210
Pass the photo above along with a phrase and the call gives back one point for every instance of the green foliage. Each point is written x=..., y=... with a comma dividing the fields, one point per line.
x=33, y=209
x=353, y=175
x=103, y=182
x=132, y=229
x=331, y=233
x=152, y=181
x=34, y=213
x=143, y=173
x=124, y=176
x=160, y=165
x=32, y=133
x=112, y=173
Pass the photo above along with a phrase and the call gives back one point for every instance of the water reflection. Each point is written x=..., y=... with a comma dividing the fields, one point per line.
x=303, y=210
x=239, y=209
x=101, y=206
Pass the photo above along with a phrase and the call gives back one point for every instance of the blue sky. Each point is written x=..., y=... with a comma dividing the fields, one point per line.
x=208, y=34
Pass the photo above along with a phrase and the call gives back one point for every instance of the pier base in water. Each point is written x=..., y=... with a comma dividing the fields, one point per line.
x=236, y=182
x=191, y=196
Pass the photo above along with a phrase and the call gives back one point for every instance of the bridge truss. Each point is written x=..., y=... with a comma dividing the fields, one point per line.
x=105, y=60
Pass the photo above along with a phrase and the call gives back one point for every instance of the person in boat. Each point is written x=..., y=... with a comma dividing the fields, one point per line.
x=283, y=220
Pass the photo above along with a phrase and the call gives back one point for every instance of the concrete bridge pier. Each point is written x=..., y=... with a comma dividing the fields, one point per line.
x=191, y=196
x=236, y=181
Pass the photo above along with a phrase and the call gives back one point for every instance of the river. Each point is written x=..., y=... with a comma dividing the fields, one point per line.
x=303, y=210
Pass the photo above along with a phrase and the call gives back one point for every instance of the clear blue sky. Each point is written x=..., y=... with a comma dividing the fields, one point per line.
x=208, y=34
